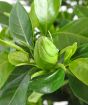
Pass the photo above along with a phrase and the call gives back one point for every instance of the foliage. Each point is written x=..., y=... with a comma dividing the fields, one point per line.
x=34, y=64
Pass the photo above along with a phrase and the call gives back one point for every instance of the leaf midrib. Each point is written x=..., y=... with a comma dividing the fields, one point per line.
x=21, y=27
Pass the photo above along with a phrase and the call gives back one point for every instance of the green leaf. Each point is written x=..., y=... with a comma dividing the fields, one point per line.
x=18, y=58
x=46, y=11
x=82, y=51
x=15, y=92
x=76, y=31
x=7, y=92
x=4, y=19
x=79, y=89
x=33, y=17
x=20, y=95
x=34, y=97
x=81, y=30
x=20, y=25
x=5, y=7
x=79, y=68
x=48, y=83
x=81, y=11
x=10, y=44
x=5, y=68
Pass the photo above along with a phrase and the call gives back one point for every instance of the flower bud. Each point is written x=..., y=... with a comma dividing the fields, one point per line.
x=45, y=53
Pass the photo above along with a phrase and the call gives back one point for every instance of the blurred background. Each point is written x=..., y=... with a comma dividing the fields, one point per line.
x=69, y=11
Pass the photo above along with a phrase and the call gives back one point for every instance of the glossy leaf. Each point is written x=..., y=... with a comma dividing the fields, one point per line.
x=49, y=83
x=79, y=89
x=46, y=11
x=79, y=68
x=76, y=31
x=20, y=25
x=18, y=58
x=5, y=68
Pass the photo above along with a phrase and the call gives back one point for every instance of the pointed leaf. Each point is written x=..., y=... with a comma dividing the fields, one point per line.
x=20, y=25
x=46, y=11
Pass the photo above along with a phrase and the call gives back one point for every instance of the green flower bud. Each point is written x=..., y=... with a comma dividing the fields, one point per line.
x=45, y=53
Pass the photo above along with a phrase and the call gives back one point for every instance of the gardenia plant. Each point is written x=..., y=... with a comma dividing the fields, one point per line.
x=32, y=65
